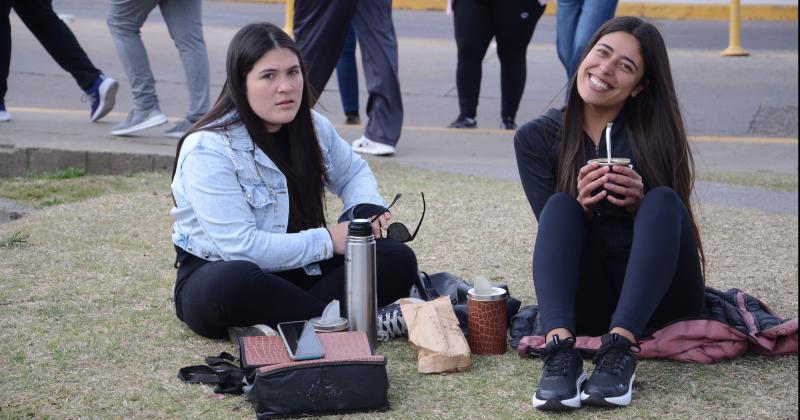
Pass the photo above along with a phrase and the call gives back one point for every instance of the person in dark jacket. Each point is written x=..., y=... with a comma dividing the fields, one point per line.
x=618, y=251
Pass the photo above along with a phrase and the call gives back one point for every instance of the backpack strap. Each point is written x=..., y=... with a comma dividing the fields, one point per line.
x=219, y=371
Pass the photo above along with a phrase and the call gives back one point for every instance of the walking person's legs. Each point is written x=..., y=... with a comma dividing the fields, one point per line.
x=185, y=25
x=319, y=29
x=5, y=56
x=125, y=20
x=515, y=22
x=378, y=42
x=59, y=41
x=567, y=14
x=347, y=77
x=593, y=14
x=473, y=29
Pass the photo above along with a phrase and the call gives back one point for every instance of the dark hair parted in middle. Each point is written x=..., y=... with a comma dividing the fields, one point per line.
x=304, y=170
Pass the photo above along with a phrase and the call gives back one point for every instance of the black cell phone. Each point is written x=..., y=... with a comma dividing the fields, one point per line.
x=300, y=340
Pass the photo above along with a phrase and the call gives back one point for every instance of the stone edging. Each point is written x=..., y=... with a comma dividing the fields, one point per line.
x=15, y=161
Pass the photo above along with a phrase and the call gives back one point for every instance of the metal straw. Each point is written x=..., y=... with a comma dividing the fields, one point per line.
x=608, y=141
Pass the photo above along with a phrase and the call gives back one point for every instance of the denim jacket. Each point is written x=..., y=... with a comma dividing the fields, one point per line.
x=232, y=201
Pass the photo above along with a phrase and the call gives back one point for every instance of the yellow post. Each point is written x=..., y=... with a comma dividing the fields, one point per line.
x=288, y=26
x=734, y=33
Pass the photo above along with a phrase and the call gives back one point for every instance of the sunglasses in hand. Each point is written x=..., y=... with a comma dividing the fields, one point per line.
x=398, y=231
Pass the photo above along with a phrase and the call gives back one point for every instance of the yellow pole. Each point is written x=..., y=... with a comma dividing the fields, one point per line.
x=734, y=33
x=288, y=26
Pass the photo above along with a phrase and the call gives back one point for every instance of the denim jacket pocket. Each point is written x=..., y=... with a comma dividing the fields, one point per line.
x=257, y=196
x=262, y=200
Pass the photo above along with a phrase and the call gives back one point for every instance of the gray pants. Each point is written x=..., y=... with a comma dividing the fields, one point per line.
x=184, y=22
x=320, y=27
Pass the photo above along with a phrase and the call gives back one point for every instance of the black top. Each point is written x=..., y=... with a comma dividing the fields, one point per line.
x=537, y=144
x=359, y=211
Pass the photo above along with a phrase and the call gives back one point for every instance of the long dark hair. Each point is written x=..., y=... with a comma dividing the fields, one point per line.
x=653, y=117
x=305, y=172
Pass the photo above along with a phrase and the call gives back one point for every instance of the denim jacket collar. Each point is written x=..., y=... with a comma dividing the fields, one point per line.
x=239, y=139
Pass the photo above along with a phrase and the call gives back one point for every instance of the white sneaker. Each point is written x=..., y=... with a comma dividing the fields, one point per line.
x=138, y=121
x=365, y=145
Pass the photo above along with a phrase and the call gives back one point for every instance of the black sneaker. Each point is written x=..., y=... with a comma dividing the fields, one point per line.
x=352, y=119
x=508, y=123
x=562, y=377
x=391, y=323
x=611, y=383
x=463, y=122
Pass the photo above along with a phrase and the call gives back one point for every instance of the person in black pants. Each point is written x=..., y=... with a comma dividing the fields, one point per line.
x=511, y=23
x=253, y=246
x=61, y=44
x=618, y=251
x=320, y=28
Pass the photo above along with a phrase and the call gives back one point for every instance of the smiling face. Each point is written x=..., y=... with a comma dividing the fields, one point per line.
x=275, y=88
x=611, y=72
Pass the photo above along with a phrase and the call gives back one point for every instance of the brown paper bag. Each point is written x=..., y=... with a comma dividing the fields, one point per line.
x=434, y=333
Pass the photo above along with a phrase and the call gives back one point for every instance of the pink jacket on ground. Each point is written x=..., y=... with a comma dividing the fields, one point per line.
x=735, y=323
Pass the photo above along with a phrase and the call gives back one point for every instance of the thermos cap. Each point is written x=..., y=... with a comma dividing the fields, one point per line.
x=359, y=228
x=340, y=324
x=497, y=293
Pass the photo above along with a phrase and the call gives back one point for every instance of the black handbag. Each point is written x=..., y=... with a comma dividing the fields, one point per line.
x=348, y=378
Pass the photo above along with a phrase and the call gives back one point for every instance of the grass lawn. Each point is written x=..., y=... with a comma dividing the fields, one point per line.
x=88, y=329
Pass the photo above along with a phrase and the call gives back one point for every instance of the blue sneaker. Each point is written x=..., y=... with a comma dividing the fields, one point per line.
x=101, y=94
x=4, y=115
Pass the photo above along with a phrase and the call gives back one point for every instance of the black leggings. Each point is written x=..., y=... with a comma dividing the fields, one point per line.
x=587, y=283
x=511, y=23
x=212, y=296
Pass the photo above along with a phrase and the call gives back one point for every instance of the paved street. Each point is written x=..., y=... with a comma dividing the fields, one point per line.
x=741, y=113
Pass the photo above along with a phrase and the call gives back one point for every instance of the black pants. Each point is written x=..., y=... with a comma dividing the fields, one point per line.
x=511, y=23
x=211, y=296
x=52, y=33
x=593, y=276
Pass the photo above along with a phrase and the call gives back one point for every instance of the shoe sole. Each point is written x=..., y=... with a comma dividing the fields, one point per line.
x=623, y=400
x=144, y=125
x=174, y=135
x=561, y=405
x=107, y=101
x=372, y=152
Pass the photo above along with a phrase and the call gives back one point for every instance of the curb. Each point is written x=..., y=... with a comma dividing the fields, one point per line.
x=16, y=161
x=677, y=11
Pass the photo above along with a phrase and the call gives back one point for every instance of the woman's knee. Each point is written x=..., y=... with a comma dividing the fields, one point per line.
x=397, y=255
x=661, y=199
x=562, y=203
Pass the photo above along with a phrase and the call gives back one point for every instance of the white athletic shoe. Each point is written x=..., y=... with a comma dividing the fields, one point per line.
x=365, y=145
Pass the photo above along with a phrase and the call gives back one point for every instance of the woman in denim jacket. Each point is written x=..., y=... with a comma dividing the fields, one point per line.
x=249, y=180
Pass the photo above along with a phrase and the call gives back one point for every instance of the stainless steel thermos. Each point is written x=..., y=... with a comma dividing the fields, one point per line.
x=361, y=299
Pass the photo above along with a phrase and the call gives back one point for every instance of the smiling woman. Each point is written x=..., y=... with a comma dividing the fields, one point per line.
x=617, y=252
x=250, y=234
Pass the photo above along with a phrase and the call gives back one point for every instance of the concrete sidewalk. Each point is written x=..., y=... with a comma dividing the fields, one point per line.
x=741, y=113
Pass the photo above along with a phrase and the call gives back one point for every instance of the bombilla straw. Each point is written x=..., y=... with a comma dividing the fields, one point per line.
x=608, y=141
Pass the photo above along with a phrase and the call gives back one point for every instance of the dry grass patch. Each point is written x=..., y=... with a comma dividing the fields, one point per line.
x=87, y=327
